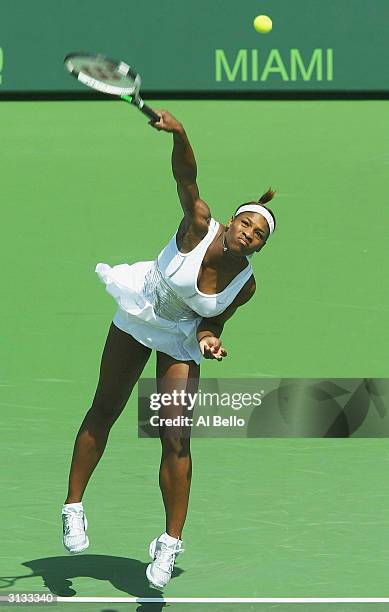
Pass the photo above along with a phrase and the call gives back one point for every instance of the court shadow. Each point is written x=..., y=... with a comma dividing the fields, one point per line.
x=143, y=607
x=126, y=575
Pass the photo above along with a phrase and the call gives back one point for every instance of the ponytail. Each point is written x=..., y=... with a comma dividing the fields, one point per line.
x=266, y=197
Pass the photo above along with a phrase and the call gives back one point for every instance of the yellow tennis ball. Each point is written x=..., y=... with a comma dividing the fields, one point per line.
x=263, y=24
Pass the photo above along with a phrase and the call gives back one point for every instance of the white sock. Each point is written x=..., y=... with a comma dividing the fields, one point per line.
x=168, y=539
x=76, y=506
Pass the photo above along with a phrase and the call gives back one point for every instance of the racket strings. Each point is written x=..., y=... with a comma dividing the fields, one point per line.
x=96, y=72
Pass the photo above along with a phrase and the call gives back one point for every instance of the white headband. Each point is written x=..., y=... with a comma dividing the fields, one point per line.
x=257, y=208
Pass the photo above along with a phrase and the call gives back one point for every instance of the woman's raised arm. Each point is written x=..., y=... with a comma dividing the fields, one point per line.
x=184, y=171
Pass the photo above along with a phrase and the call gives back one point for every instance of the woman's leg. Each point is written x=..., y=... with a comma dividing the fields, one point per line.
x=176, y=462
x=122, y=363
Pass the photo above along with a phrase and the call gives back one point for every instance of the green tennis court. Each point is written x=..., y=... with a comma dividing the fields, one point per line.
x=84, y=182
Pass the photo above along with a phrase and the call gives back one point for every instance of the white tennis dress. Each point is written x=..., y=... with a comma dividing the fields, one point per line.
x=159, y=302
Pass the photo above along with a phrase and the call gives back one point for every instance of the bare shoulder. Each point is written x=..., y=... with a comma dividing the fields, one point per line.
x=247, y=292
x=190, y=234
x=196, y=210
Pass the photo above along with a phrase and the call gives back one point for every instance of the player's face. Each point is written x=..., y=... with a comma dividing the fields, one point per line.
x=247, y=233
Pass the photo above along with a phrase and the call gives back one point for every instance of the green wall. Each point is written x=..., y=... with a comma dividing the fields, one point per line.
x=202, y=45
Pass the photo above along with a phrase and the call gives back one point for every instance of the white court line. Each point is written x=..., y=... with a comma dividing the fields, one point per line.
x=224, y=599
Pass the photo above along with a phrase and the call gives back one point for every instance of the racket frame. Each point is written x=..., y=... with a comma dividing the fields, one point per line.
x=128, y=94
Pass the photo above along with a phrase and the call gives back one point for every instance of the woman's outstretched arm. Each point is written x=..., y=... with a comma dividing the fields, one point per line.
x=185, y=171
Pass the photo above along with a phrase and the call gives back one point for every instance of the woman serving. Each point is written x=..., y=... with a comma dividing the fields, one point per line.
x=177, y=305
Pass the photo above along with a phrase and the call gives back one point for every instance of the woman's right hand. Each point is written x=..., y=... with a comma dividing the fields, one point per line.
x=167, y=122
x=212, y=348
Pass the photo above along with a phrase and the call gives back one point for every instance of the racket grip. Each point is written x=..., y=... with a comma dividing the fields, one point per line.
x=137, y=101
x=149, y=112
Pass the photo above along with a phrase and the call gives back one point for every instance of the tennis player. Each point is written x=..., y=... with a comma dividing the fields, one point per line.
x=177, y=305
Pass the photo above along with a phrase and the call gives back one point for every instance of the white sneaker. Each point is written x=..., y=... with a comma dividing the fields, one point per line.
x=75, y=525
x=163, y=551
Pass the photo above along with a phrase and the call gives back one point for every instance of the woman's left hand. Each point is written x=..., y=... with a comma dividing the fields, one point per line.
x=211, y=348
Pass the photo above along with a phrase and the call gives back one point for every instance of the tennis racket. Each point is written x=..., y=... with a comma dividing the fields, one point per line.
x=109, y=76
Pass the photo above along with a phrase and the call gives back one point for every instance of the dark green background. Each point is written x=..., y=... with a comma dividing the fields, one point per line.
x=172, y=43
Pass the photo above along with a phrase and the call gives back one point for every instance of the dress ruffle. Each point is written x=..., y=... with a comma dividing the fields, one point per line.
x=124, y=283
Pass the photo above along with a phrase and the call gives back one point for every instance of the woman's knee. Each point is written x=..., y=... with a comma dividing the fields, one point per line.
x=176, y=443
